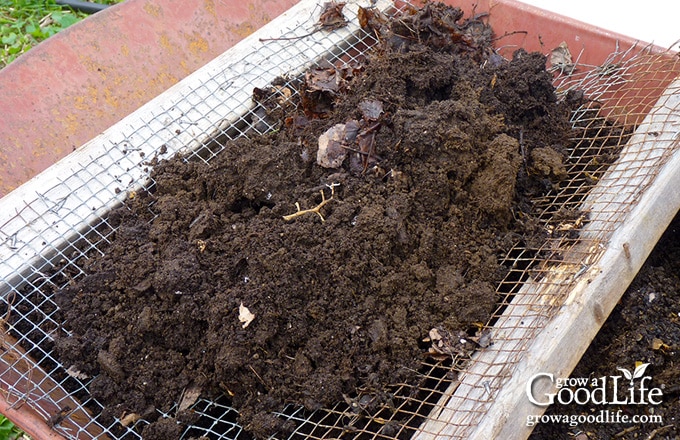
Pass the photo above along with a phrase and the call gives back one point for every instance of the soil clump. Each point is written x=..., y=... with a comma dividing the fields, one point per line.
x=205, y=286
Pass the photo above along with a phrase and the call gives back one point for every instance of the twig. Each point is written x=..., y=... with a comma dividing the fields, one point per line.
x=626, y=431
x=658, y=431
x=299, y=37
x=507, y=34
x=331, y=19
x=259, y=377
x=317, y=209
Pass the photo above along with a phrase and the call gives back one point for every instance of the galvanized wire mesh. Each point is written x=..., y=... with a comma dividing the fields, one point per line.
x=53, y=230
x=597, y=197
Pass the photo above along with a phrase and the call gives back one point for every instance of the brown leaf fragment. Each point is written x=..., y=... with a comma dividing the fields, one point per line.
x=323, y=85
x=332, y=152
x=352, y=128
x=449, y=343
x=271, y=96
x=324, y=80
x=189, y=397
x=372, y=20
x=364, y=16
x=371, y=109
x=439, y=26
x=560, y=59
x=331, y=16
x=297, y=123
x=366, y=141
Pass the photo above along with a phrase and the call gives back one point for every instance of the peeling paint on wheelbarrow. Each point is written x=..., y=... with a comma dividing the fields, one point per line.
x=71, y=87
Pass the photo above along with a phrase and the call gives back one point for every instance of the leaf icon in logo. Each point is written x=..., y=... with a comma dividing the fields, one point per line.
x=626, y=373
x=636, y=374
x=639, y=371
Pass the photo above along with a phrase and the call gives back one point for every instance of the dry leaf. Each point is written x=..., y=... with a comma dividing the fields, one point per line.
x=560, y=58
x=364, y=16
x=324, y=80
x=332, y=150
x=371, y=19
x=371, y=109
x=189, y=397
x=244, y=315
x=449, y=343
x=331, y=16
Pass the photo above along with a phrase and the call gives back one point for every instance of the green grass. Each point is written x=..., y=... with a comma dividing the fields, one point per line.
x=9, y=431
x=25, y=23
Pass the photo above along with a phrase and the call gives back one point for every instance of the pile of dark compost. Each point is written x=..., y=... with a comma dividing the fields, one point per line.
x=436, y=147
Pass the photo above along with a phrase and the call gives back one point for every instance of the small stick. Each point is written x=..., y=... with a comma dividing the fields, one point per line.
x=362, y=153
x=331, y=18
x=259, y=377
x=316, y=209
x=309, y=34
x=507, y=34
x=658, y=431
x=626, y=431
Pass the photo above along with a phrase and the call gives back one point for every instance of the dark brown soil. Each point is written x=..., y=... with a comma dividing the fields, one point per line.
x=408, y=239
x=644, y=327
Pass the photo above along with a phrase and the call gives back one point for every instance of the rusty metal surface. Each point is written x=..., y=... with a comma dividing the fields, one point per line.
x=71, y=87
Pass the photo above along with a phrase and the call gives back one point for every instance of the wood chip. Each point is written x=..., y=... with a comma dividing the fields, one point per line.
x=245, y=316
x=129, y=419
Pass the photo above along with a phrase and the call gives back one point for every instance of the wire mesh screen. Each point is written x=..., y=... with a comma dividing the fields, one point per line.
x=625, y=133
